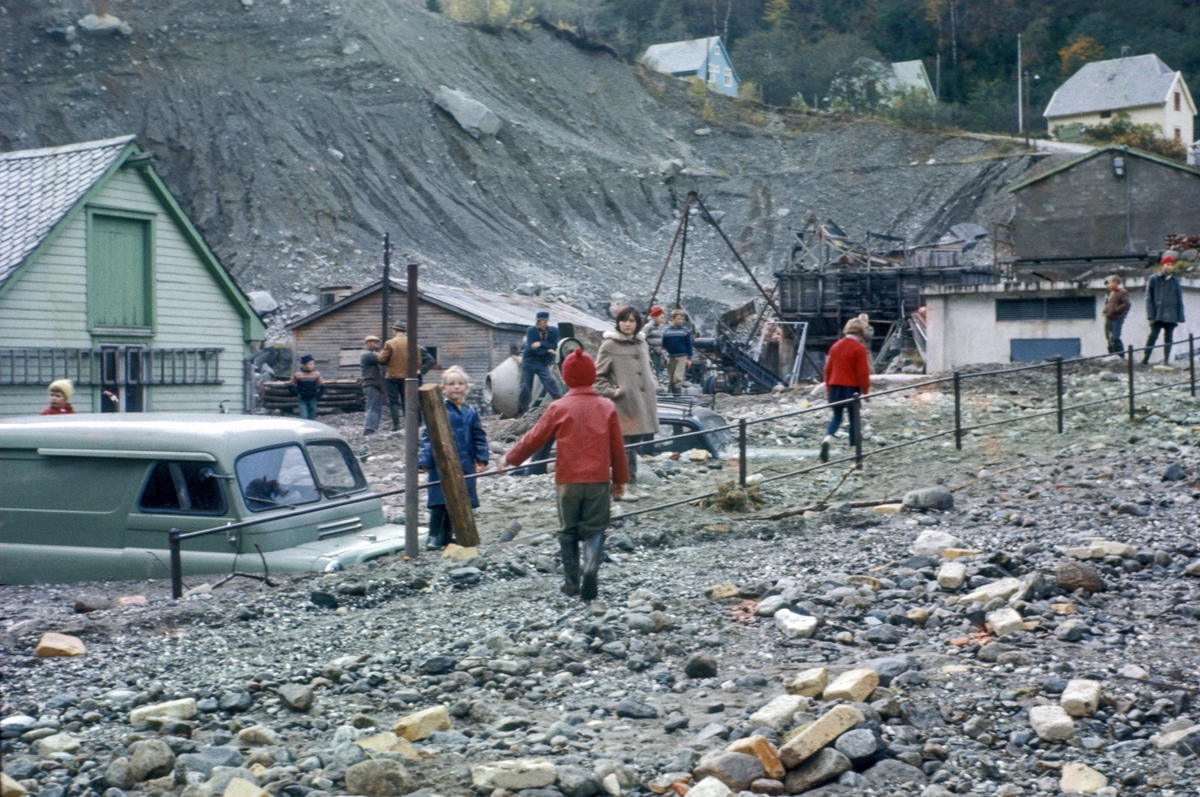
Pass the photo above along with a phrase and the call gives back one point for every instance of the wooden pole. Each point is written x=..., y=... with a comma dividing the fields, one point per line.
x=445, y=456
x=412, y=546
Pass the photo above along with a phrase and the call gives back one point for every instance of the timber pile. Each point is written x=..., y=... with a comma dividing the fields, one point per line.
x=1181, y=243
x=341, y=395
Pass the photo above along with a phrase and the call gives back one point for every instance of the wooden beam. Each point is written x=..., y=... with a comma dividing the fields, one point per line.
x=445, y=456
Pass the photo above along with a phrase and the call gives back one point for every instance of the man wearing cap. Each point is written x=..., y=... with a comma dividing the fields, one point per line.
x=1164, y=308
x=541, y=345
x=654, y=337
x=372, y=383
x=395, y=356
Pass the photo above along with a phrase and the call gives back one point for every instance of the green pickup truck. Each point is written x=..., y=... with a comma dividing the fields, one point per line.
x=92, y=497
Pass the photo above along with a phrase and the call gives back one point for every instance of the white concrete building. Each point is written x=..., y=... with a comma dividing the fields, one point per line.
x=1141, y=85
x=1029, y=321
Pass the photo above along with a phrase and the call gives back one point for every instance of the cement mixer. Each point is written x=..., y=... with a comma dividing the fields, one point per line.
x=502, y=387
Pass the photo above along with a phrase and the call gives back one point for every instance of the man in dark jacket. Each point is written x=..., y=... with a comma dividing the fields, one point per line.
x=1115, y=310
x=541, y=346
x=677, y=342
x=372, y=383
x=1164, y=308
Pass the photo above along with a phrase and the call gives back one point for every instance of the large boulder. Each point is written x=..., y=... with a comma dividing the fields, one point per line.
x=929, y=498
x=379, y=778
x=472, y=115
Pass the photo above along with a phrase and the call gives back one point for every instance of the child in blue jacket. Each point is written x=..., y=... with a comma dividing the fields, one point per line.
x=471, y=442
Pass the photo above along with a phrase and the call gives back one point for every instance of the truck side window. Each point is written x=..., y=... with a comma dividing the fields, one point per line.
x=338, y=472
x=276, y=477
x=184, y=487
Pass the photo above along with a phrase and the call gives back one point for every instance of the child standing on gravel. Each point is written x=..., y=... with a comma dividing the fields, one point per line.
x=590, y=470
x=471, y=442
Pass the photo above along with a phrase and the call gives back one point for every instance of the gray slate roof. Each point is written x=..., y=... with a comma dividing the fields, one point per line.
x=40, y=186
x=1112, y=85
x=676, y=57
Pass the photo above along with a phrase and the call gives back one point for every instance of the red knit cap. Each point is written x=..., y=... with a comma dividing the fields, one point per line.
x=1167, y=258
x=656, y=310
x=579, y=370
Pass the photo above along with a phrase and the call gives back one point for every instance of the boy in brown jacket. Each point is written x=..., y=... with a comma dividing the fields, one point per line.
x=1115, y=310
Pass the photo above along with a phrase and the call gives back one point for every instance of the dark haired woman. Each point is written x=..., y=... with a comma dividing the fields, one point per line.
x=624, y=374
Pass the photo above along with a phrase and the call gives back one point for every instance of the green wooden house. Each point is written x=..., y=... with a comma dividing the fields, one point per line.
x=105, y=281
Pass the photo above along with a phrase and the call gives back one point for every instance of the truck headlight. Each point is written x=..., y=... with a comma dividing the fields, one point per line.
x=334, y=567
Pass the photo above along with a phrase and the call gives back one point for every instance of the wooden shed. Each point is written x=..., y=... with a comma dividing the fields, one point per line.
x=105, y=281
x=468, y=327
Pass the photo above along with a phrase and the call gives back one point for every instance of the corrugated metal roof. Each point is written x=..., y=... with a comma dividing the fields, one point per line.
x=676, y=57
x=38, y=187
x=488, y=307
x=1112, y=85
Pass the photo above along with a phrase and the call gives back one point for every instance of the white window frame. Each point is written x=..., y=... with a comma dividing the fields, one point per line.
x=714, y=72
x=728, y=77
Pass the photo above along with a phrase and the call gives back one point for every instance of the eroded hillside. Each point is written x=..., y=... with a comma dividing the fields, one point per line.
x=295, y=133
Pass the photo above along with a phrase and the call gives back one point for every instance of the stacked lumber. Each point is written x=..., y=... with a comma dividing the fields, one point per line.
x=1180, y=242
x=341, y=395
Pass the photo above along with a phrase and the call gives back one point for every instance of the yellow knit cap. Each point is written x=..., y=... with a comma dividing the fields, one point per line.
x=63, y=386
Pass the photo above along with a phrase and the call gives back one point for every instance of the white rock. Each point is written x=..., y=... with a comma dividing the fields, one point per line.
x=1051, y=723
x=795, y=626
x=1081, y=698
x=611, y=784
x=710, y=787
x=1133, y=671
x=1079, y=778
x=1004, y=589
x=523, y=773
x=472, y=115
x=183, y=709
x=262, y=302
x=932, y=542
x=1005, y=621
x=951, y=575
x=1165, y=741
x=58, y=743
x=104, y=23
x=779, y=712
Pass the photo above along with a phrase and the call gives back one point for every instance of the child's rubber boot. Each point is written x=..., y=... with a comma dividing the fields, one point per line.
x=570, y=562
x=593, y=553
x=826, y=444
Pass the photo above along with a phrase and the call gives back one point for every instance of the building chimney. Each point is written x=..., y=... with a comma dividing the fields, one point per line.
x=1126, y=50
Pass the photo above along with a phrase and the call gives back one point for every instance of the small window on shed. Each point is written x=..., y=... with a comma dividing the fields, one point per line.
x=1178, y=102
x=1106, y=114
x=183, y=487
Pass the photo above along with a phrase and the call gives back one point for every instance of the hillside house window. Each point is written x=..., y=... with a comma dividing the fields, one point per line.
x=1178, y=101
x=120, y=271
x=714, y=73
x=1178, y=134
x=728, y=76
x=1106, y=114
x=1064, y=308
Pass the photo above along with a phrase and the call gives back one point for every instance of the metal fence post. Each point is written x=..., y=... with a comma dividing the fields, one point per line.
x=1192, y=361
x=958, y=410
x=1058, y=375
x=742, y=453
x=176, y=565
x=856, y=424
x=1129, y=362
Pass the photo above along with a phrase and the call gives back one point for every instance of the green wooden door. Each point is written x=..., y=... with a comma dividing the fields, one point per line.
x=117, y=272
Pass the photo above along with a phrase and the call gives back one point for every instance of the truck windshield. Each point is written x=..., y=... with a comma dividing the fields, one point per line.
x=337, y=470
x=276, y=477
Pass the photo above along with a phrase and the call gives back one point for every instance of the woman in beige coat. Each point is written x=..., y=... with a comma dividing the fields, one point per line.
x=624, y=374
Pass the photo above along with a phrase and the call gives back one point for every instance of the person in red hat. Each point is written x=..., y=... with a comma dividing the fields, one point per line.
x=654, y=335
x=590, y=470
x=1164, y=308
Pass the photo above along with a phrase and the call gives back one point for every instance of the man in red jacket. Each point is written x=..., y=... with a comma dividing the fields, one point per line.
x=590, y=469
x=847, y=374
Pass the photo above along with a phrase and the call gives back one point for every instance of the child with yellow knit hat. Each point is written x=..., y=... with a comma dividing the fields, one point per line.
x=61, y=391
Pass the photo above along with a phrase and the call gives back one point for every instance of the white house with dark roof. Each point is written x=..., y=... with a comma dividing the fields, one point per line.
x=705, y=58
x=1141, y=85
x=105, y=281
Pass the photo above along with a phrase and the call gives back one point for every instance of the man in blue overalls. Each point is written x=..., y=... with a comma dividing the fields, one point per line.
x=541, y=345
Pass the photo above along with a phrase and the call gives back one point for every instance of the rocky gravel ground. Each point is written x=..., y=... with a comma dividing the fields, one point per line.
x=1021, y=624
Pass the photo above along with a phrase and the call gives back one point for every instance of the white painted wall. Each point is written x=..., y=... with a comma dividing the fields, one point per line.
x=1163, y=116
x=963, y=329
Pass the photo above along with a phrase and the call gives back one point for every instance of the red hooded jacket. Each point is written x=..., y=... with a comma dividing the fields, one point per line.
x=590, y=449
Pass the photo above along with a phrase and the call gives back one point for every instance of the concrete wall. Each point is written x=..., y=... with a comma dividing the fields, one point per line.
x=963, y=329
x=46, y=306
x=1080, y=211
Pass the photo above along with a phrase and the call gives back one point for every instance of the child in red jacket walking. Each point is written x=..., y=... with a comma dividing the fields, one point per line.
x=590, y=469
x=847, y=374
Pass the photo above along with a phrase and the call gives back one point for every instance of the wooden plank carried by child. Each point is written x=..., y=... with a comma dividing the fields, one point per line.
x=445, y=456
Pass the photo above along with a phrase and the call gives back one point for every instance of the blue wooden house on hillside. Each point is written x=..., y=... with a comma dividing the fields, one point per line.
x=706, y=59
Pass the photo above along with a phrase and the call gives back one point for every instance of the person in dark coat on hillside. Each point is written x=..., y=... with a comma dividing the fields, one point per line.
x=372, y=383
x=471, y=443
x=541, y=346
x=308, y=385
x=1115, y=311
x=847, y=374
x=590, y=470
x=1164, y=308
x=677, y=342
